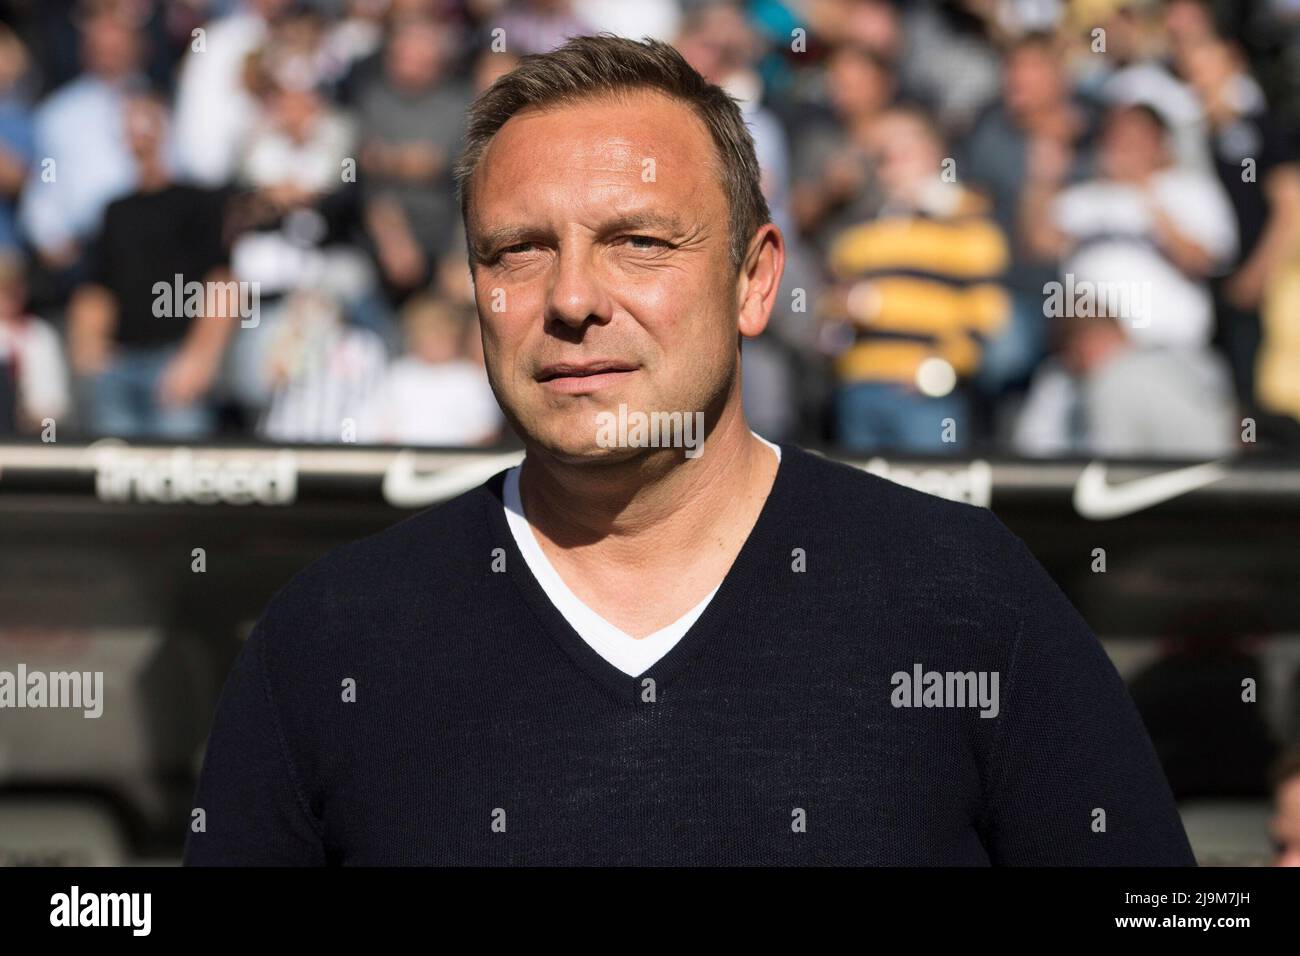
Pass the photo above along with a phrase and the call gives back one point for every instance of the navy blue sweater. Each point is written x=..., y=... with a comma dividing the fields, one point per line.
x=403, y=702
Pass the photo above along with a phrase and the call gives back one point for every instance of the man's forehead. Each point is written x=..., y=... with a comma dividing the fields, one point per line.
x=639, y=150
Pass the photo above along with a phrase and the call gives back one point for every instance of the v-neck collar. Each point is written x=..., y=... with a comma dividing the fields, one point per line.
x=624, y=688
x=607, y=639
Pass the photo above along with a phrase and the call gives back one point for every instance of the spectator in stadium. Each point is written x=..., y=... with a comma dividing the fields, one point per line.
x=17, y=148
x=941, y=51
x=920, y=290
x=453, y=281
x=1285, y=824
x=215, y=107
x=1129, y=56
x=1255, y=160
x=1036, y=104
x=718, y=42
x=80, y=137
x=33, y=375
x=1145, y=235
x=949, y=56
x=354, y=43
x=435, y=394
x=321, y=371
x=294, y=223
x=1188, y=23
x=148, y=370
x=1105, y=397
x=411, y=127
x=297, y=150
x=834, y=185
x=537, y=26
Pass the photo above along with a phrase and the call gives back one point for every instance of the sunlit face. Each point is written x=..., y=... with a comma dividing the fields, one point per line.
x=599, y=238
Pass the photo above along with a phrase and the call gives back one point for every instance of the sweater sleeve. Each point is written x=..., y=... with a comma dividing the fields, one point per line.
x=1074, y=778
x=254, y=809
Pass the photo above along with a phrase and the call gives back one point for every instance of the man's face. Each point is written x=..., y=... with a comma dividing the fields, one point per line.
x=415, y=56
x=599, y=238
x=1031, y=80
x=145, y=125
x=906, y=156
x=109, y=46
x=856, y=86
x=1132, y=148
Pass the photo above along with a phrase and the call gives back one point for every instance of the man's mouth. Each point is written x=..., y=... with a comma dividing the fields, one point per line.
x=575, y=378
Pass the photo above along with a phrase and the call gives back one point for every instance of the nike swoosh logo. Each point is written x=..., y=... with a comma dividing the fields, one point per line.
x=404, y=487
x=1097, y=500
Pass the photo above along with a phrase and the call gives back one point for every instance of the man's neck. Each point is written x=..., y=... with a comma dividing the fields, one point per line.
x=652, y=511
x=153, y=177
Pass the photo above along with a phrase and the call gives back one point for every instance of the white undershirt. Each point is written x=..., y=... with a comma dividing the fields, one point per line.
x=629, y=654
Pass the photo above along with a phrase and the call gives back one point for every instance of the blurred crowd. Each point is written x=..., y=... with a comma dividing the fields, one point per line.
x=1047, y=227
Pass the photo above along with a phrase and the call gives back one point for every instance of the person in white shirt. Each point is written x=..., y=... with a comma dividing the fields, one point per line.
x=215, y=110
x=1142, y=239
x=32, y=370
x=434, y=394
x=1102, y=396
x=321, y=371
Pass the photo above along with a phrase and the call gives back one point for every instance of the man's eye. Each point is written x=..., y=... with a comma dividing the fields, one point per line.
x=647, y=242
x=517, y=247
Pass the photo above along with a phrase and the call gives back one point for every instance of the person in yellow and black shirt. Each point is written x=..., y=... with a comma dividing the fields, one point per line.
x=918, y=291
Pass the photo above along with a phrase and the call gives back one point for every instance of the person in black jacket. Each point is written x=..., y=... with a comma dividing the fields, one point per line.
x=655, y=642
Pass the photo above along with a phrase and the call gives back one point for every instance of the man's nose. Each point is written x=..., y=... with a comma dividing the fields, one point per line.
x=577, y=292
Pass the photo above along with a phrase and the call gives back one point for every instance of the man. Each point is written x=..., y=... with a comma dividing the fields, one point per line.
x=148, y=371
x=84, y=158
x=921, y=289
x=33, y=377
x=627, y=654
x=410, y=132
x=1102, y=397
x=1254, y=159
x=1145, y=235
x=1037, y=104
x=216, y=112
x=835, y=186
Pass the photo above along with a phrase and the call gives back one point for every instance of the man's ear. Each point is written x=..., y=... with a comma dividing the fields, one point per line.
x=760, y=280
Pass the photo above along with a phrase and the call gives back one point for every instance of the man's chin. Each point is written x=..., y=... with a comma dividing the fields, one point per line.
x=582, y=447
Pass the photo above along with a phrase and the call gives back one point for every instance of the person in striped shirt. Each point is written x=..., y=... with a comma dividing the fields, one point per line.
x=918, y=291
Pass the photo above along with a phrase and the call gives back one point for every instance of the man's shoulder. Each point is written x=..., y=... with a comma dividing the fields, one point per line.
x=927, y=551
x=430, y=554
x=889, y=512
